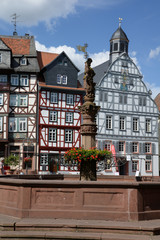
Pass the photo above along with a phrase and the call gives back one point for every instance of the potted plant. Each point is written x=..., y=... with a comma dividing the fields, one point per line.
x=11, y=161
x=86, y=161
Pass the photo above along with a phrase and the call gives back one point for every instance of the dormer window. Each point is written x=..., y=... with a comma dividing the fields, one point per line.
x=58, y=79
x=64, y=79
x=23, y=61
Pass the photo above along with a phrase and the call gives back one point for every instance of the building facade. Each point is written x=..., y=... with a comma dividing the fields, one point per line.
x=128, y=117
x=60, y=95
x=18, y=98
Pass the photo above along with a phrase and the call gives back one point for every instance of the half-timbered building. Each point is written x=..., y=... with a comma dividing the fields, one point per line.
x=60, y=95
x=128, y=117
x=18, y=97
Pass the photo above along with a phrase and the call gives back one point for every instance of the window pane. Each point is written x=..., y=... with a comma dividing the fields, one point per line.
x=69, y=117
x=53, y=116
x=69, y=99
x=68, y=136
x=58, y=78
x=1, y=99
x=14, y=80
x=52, y=134
x=12, y=124
x=24, y=80
x=13, y=100
x=22, y=124
x=108, y=122
x=64, y=79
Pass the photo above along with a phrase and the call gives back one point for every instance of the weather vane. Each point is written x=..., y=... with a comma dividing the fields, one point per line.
x=83, y=49
x=14, y=21
x=120, y=20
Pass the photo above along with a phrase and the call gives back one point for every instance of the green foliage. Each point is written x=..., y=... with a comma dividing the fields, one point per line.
x=11, y=160
x=77, y=154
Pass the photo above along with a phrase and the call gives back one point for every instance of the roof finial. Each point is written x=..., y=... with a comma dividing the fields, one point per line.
x=120, y=20
x=14, y=20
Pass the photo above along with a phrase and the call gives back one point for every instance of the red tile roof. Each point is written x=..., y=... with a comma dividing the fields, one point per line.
x=45, y=58
x=157, y=101
x=19, y=46
x=42, y=84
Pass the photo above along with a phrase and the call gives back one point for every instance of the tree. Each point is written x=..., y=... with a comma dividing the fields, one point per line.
x=12, y=160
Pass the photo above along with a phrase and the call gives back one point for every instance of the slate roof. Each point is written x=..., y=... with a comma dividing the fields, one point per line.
x=22, y=46
x=99, y=70
x=45, y=58
x=119, y=34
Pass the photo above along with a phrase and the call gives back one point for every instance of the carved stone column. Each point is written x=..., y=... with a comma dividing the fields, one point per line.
x=89, y=109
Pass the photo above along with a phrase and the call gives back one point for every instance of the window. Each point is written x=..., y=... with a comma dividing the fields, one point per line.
x=24, y=80
x=121, y=146
x=52, y=134
x=69, y=117
x=135, y=124
x=68, y=135
x=54, y=97
x=147, y=147
x=14, y=80
x=148, y=165
x=65, y=63
x=108, y=122
x=115, y=46
x=123, y=98
x=135, y=165
x=53, y=116
x=3, y=78
x=1, y=124
x=122, y=123
x=0, y=57
x=122, y=47
x=70, y=99
x=116, y=79
x=44, y=159
x=107, y=145
x=105, y=97
x=13, y=100
x=23, y=61
x=64, y=79
x=1, y=98
x=148, y=125
x=22, y=124
x=58, y=79
x=12, y=124
x=142, y=101
x=135, y=147
x=23, y=100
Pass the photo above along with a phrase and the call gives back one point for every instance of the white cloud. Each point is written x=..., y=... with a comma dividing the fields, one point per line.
x=34, y=11
x=99, y=4
x=76, y=58
x=154, y=52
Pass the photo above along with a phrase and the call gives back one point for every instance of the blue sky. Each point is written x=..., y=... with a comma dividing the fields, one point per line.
x=63, y=24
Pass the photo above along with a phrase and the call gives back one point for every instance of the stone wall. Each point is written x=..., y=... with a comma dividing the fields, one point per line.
x=103, y=200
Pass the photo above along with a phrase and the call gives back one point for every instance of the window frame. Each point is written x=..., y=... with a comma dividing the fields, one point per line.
x=148, y=147
x=121, y=144
x=14, y=122
x=68, y=136
x=148, y=165
x=68, y=98
x=14, y=79
x=135, y=165
x=135, y=146
x=23, y=61
x=53, y=116
x=24, y=124
x=21, y=97
x=59, y=78
x=64, y=77
x=52, y=135
x=12, y=100
x=1, y=58
x=148, y=125
x=3, y=77
x=69, y=119
x=53, y=99
x=23, y=78
x=135, y=126
x=122, y=123
x=109, y=122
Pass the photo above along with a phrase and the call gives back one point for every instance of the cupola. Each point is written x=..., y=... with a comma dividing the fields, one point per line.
x=118, y=43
